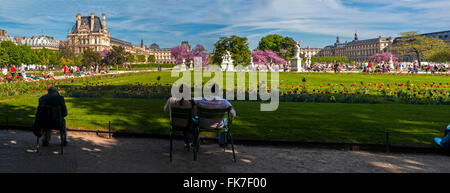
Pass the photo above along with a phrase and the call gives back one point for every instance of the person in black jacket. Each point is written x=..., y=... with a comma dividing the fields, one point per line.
x=54, y=99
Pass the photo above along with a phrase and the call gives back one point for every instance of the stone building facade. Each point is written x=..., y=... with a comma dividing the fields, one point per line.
x=357, y=50
x=3, y=32
x=89, y=32
x=162, y=55
x=38, y=42
x=309, y=52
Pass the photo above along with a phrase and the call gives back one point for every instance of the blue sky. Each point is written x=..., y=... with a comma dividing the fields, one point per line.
x=168, y=22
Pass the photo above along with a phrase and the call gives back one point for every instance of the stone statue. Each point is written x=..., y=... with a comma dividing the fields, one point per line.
x=297, y=49
x=296, y=61
x=227, y=62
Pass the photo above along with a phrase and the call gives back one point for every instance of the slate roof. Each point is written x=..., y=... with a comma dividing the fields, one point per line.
x=87, y=20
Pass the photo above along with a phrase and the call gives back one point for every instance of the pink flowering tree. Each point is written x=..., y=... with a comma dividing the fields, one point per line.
x=179, y=53
x=200, y=51
x=266, y=57
x=382, y=57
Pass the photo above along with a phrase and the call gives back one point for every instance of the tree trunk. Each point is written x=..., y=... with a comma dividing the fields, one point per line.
x=418, y=58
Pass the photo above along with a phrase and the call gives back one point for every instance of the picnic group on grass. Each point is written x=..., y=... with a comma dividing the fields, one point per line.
x=38, y=72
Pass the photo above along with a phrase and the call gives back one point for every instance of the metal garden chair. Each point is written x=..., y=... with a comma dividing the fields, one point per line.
x=54, y=121
x=179, y=113
x=213, y=114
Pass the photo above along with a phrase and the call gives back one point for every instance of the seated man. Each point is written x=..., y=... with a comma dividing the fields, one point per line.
x=444, y=142
x=214, y=102
x=54, y=99
x=181, y=103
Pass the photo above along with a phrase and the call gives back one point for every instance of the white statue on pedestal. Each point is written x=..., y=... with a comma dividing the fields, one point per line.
x=296, y=60
x=227, y=62
x=183, y=65
x=391, y=63
x=252, y=65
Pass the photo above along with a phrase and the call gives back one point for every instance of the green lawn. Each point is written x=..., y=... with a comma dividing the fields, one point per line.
x=330, y=122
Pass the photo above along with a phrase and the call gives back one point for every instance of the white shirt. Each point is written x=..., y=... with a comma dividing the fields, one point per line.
x=214, y=103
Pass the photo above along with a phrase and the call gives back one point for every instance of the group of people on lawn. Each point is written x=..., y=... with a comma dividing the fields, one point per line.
x=20, y=74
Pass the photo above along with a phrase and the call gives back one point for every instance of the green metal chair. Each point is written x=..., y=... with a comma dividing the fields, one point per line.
x=213, y=114
x=180, y=114
x=54, y=122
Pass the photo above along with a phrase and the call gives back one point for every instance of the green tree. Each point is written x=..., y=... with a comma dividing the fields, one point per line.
x=151, y=58
x=117, y=55
x=91, y=57
x=131, y=58
x=284, y=47
x=4, y=58
x=237, y=46
x=440, y=55
x=411, y=43
x=26, y=54
x=141, y=58
x=13, y=51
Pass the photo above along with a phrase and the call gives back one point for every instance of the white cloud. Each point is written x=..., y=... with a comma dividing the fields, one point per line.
x=158, y=20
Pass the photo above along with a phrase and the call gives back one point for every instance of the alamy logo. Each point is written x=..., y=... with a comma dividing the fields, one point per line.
x=239, y=84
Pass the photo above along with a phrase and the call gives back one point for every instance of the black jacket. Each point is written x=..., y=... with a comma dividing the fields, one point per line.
x=54, y=100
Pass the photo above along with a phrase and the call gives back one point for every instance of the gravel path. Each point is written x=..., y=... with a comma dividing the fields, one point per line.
x=91, y=153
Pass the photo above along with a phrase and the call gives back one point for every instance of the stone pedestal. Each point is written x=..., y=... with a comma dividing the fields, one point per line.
x=183, y=67
x=296, y=65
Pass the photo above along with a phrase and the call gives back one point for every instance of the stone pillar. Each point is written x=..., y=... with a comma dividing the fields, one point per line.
x=104, y=21
x=92, y=21
x=78, y=20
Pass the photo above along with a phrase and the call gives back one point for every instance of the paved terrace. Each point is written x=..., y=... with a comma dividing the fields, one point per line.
x=88, y=152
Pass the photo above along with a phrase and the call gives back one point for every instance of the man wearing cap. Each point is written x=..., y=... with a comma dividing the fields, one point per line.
x=54, y=99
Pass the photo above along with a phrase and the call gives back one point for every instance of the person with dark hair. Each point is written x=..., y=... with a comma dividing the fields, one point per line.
x=54, y=99
x=180, y=102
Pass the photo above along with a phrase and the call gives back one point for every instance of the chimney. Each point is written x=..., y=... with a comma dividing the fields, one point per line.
x=78, y=20
x=92, y=21
x=104, y=21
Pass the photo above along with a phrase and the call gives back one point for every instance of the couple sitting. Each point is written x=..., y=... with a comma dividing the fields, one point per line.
x=213, y=102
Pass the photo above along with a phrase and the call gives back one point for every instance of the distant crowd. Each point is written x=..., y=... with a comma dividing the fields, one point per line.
x=365, y=67
x=39, y=72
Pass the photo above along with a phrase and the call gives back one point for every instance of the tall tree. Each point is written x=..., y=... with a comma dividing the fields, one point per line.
x=131, y=58
x=91, y=57
x=237, y=46
x=440, y=55
x=141, y=58
x=411, y=43
x=284, y=47
x=180, y=53
x=4, y=58
x=14, y=52
x=151, y=58
x=117, y=55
